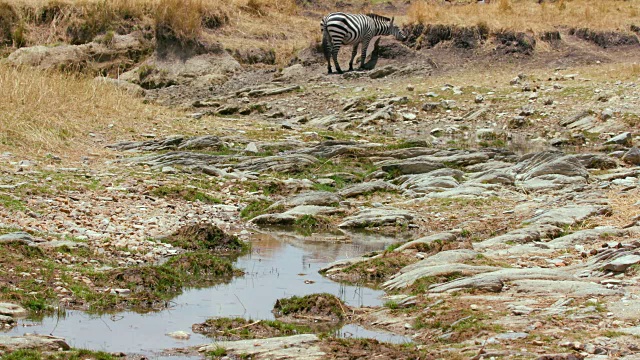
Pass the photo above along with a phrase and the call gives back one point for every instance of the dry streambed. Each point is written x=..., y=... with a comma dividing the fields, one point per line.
x=486, y=233
x=504, y=251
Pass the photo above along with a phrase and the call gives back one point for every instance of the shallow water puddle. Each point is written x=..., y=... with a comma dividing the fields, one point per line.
x=279, y=265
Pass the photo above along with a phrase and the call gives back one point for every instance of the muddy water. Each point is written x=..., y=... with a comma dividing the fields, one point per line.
x=279, y=265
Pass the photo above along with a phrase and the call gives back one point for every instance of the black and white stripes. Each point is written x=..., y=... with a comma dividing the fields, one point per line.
x=352, y=29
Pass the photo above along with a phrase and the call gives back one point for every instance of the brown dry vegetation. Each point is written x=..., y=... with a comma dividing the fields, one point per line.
x=238, y=24
x=528, y=15
x=43, y=111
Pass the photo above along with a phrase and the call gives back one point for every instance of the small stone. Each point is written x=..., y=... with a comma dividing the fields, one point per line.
x=624, y=139
x=180, y=335
x=448, y=104
x=410, y=87
x=409, y=116
x=169, y=170
x=479, y=99
x=632, y=156
x=251, y=148
x=606, y=114
x=430, y=106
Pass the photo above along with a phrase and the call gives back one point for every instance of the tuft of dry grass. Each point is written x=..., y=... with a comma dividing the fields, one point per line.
x=624, y=208
x=527, y=15
x=51, y=112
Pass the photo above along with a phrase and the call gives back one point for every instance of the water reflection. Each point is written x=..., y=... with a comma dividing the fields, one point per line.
x=280, y=265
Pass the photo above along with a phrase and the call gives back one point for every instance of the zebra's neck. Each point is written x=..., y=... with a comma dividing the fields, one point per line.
x=383, y=28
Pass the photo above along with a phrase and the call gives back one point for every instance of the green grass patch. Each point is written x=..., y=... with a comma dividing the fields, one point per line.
x=73, y=354
x=323, y=304
x=206, y=236
x=377, y=270
x=241, y=329
x=255, y=208
x=421, y=286
x=11, y=203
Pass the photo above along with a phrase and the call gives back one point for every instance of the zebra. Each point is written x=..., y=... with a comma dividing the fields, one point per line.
x=352, y=29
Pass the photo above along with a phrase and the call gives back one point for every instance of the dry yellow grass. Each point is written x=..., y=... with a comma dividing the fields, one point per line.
x=528, y=15
x=42, y=112
x=239, y=24
x=624, y=207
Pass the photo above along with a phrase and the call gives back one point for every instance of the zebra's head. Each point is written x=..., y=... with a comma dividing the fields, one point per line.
x=396, y=32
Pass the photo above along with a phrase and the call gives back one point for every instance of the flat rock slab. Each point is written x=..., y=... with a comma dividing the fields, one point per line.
x=635, y=330
x=63, y=243
x=176, y=142
x=568, y=215
x=465, y=191
x=366, y=188
x=290, y=216
x=437, y=180
x=340, y=264
x=410, y=166
x=303, y=347
x=549, y=163
x=18, y=236
x=628, y=310
x=318, y=198
x=32, y=341
x=406, y=279
x=519, y=236
x=426, y=240
x=567, y=287
x=278, y=163
x=621, y=264
x=378, y=217
x=494, y=281
x=443, y=258
x=551, y=182
x=12, y=310
x=583, y=237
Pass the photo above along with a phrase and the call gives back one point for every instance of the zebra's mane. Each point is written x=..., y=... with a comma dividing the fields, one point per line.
x=378, y=17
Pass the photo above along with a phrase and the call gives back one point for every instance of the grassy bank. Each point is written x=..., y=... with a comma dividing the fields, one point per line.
x=240, y=24
x=51, y=112
x=528, y=15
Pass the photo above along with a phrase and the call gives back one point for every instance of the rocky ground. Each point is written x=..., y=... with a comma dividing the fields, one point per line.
x=512, y=170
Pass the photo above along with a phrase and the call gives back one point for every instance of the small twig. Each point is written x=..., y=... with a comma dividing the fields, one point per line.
x=245, y=326
x=245, y=309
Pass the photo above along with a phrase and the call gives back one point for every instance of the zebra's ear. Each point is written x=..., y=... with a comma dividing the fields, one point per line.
x=391, y=23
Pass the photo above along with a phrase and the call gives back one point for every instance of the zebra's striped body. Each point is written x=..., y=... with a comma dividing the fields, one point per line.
x=353, y=29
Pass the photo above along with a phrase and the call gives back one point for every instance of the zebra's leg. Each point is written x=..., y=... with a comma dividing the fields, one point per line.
x=334, y=53
x=353, y=56
x=326, y=48
x=365, y=46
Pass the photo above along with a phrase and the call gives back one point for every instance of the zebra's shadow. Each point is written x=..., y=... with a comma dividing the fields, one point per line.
x=375, y=53
x=373, y=58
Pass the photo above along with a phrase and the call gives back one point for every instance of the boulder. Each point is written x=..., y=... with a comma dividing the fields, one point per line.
x=33, y=342
x=632, y=156
x=319, y=198
x=378, y=217
x=12, y=310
